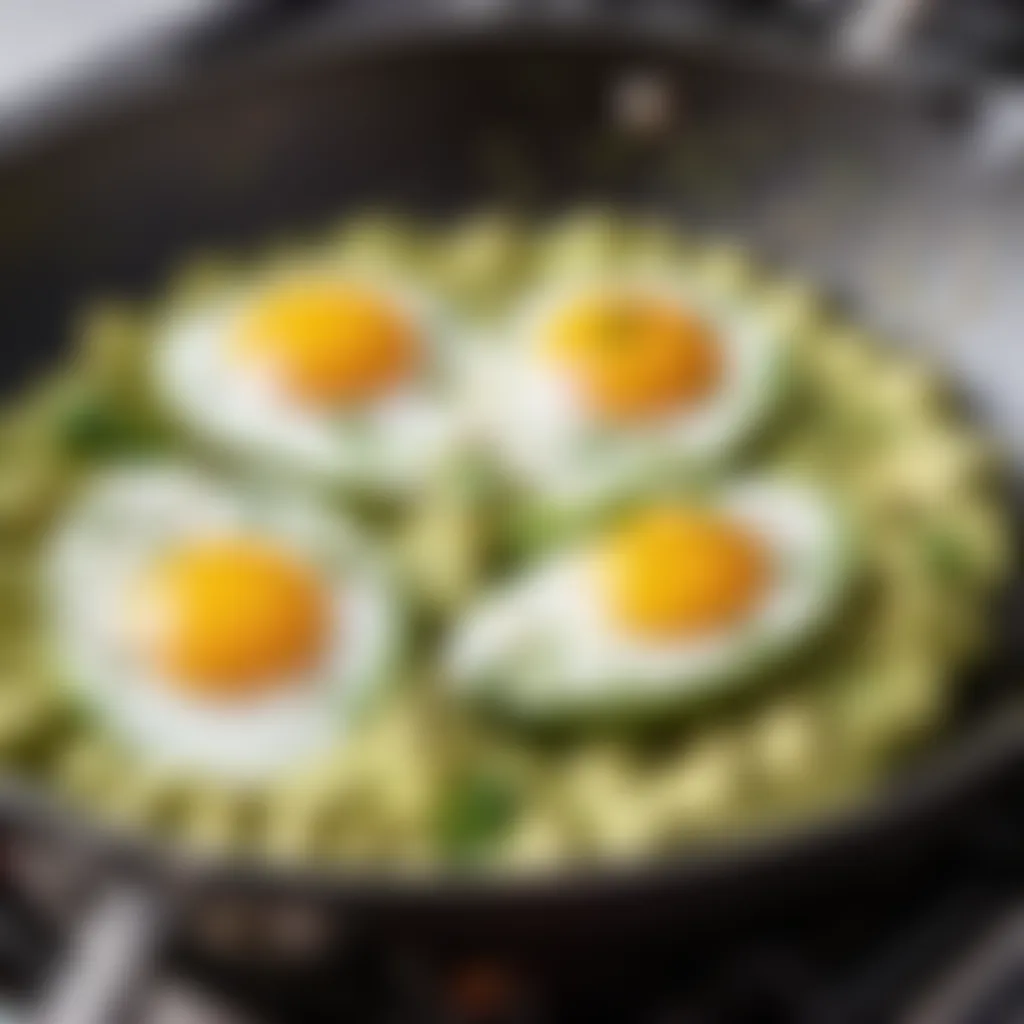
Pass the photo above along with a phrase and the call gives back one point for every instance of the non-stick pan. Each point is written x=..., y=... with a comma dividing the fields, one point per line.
x=889, y=190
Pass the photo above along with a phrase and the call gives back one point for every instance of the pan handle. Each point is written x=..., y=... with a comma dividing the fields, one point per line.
x=109, y=959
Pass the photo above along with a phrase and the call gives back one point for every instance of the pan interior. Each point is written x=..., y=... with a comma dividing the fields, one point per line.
x=845, y=184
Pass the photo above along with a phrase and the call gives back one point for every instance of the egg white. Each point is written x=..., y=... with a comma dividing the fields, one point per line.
x=392, y=442
x=544, y=646
x=122, y=522
x=549, y=439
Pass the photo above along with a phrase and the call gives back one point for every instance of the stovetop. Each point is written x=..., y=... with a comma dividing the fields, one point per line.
x=947, y=950
x=943, y=946
x=966, y=35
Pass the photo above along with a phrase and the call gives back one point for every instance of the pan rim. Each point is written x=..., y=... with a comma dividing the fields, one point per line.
x=987, y=750
x=926, y=790
x=98, y=105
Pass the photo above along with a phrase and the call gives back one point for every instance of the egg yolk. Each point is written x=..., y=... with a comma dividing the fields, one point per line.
x=675, y=571
x=326, y=342
x=634, y=356
x=227, y=618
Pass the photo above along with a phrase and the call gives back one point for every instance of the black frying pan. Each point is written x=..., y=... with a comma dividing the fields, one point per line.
x=114, y=193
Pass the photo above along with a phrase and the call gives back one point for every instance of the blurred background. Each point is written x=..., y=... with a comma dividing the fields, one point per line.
x=50, y=44
x=943, y=949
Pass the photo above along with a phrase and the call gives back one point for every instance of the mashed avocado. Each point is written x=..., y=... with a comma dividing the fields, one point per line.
x=427, y=781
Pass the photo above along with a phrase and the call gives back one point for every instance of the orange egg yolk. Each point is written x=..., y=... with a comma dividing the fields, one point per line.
x=675, y=571
x=228, y=618
x=634, y=356
x=326, y=342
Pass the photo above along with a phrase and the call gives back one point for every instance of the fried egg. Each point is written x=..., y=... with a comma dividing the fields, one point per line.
x=674, y=600
x=220, y=630
x=606, y=384
x=337, y=377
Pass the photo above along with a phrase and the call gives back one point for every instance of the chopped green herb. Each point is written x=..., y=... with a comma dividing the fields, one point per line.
x=945, y=555
x=93, y=427
x=476, y=811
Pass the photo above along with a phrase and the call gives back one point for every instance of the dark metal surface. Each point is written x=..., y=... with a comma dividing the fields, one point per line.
x=868, y=186
x=854, y=181
x=942, y=942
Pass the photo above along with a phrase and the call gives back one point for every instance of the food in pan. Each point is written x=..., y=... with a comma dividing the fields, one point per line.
x=677, y=598
x=212, y=628
x=608, y=382
x=672, y=550
x=318, y=371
